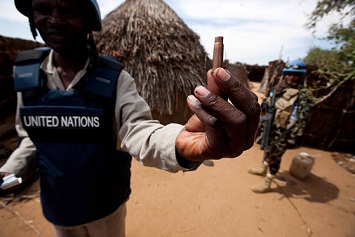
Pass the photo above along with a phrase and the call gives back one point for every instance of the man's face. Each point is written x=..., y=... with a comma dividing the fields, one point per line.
x=292, y=77
x=61, y=24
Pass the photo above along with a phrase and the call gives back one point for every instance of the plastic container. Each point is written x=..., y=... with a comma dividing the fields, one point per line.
x=301, y=165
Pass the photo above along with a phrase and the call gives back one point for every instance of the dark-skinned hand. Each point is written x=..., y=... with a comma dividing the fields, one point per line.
x=219, y=128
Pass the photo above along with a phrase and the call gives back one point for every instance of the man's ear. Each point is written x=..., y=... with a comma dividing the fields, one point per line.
x=32, y=25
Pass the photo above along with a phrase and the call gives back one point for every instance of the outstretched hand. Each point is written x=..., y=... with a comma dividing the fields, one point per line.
x=218, y=128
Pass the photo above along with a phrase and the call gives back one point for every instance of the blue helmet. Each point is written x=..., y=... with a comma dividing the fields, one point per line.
x=295, y=66
x=24, y=7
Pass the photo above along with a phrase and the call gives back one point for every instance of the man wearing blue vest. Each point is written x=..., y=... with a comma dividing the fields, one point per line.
x=80, y=120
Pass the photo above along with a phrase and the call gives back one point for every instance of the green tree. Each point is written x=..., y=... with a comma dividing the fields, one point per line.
x=322, y=57
x=336, y=65
x=324, y=7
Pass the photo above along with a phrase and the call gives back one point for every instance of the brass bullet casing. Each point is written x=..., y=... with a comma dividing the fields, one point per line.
x=218, y=52
x=216, y=63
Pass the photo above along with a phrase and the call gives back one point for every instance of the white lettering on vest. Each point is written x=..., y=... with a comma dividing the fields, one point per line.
x=62, y=122
x=41, y=121
x=80, y=122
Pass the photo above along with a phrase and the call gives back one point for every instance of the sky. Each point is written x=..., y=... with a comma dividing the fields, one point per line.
x=254, y=31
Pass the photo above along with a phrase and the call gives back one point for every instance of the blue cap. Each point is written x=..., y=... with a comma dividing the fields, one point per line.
x=295, y=66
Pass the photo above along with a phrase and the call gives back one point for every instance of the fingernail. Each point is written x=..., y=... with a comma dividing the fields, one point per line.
x=223, y=74
x=194, y=101
x=202, y=91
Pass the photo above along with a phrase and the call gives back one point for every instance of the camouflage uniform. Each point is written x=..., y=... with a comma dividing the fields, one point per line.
x=284, y=134
x=289, y=115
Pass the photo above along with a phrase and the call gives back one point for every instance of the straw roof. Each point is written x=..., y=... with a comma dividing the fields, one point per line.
x=159, y=50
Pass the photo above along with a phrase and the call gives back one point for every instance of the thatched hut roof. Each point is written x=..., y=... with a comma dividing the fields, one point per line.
x=159, y=50
x=9, y=48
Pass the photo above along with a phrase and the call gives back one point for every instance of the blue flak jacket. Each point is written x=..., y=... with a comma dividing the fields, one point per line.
x=83, y=177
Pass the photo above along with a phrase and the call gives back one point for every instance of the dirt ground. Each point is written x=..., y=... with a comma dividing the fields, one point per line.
x=216, y=201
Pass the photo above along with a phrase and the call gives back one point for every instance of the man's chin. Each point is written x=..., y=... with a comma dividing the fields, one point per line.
x=67, y=49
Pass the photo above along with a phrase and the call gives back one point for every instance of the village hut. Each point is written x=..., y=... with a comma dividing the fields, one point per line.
x=160, y=51
x=9, y=48
x=332, y=124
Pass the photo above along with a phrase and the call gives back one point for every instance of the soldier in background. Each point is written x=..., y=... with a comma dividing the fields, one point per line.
x=290, y=115
x=80, y=120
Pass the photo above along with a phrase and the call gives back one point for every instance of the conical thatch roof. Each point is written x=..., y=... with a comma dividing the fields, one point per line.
x=158, y=49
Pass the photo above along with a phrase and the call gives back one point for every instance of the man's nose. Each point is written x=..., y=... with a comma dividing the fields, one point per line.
x=55, y=18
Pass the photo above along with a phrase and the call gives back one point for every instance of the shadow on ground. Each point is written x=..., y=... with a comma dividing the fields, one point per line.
x=313, y=188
